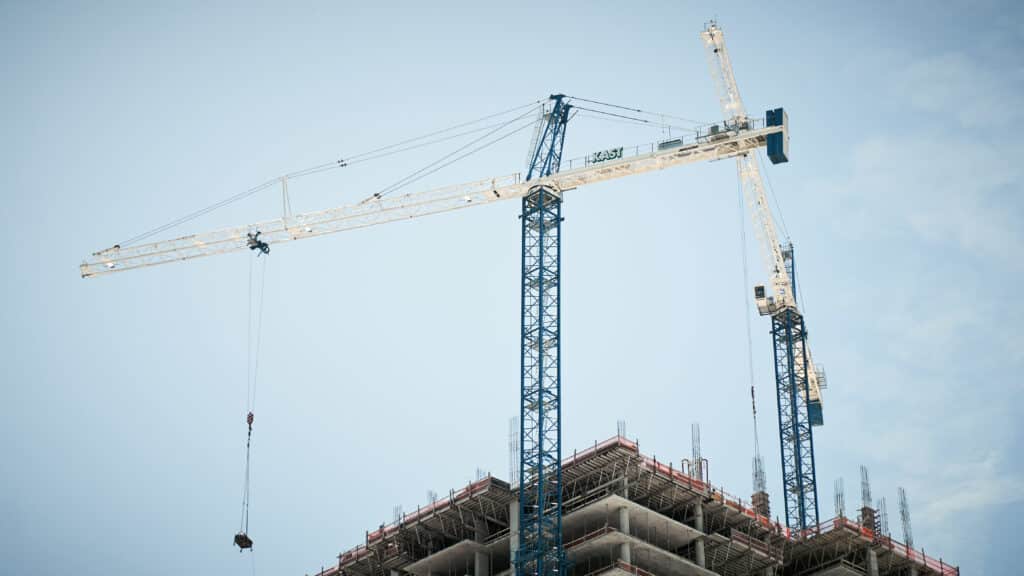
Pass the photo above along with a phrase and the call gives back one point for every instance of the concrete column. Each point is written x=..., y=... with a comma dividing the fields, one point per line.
x=481, y=560
x=624, y=552
x=481, y=564
x=698, y=523
x=513, y=531
x=872, y=563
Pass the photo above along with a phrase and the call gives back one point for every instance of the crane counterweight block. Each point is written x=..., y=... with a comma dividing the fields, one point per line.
x=778, y=143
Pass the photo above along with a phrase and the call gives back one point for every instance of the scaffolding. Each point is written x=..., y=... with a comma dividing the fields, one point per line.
x=625, y=513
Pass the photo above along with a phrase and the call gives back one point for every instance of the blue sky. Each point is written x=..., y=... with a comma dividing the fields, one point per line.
x=389, y=364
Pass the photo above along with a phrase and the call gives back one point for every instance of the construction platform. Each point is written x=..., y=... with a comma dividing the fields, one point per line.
x=627, y=514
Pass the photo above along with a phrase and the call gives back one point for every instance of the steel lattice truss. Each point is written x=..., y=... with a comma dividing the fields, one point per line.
x=795, y=432
x=540, y=506
x=540, y=411
x=733, y=141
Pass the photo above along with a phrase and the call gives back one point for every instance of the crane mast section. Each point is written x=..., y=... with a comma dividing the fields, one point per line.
x=771, y=253
x=721, y=73
x=764, y=227
x=729, y=143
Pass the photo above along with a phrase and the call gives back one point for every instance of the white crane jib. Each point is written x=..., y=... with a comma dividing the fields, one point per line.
x=782, y=296
x=713, y=144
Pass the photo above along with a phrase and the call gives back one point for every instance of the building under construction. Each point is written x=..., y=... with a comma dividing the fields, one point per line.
x=626, y=513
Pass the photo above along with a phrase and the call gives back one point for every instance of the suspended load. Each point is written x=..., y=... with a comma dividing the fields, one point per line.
x=242, y=539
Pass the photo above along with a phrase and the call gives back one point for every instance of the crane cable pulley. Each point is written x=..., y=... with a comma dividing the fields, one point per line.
x=260, y=247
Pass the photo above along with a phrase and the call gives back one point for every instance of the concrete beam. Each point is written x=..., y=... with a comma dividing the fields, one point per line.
x=698, y=523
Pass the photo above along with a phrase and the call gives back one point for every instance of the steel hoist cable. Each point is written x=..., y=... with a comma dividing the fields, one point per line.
x=639, y=111
x=758, y=463
x=374, y=154
x=440, y=162
x=255, y=312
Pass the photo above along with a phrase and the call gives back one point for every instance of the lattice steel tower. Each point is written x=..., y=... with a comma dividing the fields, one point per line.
x=540, y=466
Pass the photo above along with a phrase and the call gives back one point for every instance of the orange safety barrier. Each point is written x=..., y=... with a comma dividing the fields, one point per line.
x=621, y=565
x=590, y=536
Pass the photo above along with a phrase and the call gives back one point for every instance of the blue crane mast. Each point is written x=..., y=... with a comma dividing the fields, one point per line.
x=797, y=413
x=540, y=407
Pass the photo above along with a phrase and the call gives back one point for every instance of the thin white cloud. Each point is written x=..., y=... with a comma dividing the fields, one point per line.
x=957, y=88
x=954, y=190
x=972, y=485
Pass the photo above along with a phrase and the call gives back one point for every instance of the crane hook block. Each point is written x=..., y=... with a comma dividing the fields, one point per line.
x=255, y=243
x=243, y=541
x=249, y=419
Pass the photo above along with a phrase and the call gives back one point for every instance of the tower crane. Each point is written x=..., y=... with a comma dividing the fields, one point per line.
x=797, y=383
x=540, y=192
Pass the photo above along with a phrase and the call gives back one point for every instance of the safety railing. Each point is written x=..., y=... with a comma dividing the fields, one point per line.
x=901, y=549
x=716, y=495
x=621, y=565
x=590, y=536
x=701, y=135
x=362, y=550
x=753, y=543
x=893, y=545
